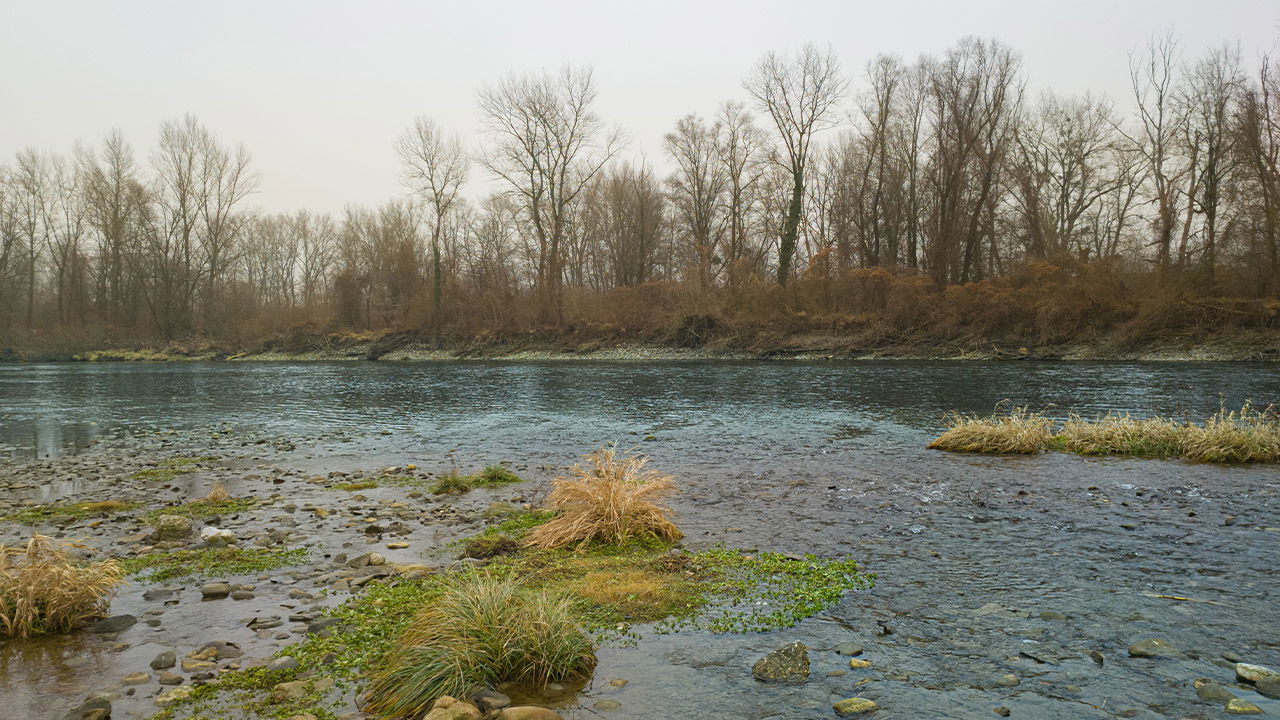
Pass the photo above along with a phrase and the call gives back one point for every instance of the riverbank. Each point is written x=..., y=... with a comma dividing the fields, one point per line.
x=1014, y=585
x=601, y=344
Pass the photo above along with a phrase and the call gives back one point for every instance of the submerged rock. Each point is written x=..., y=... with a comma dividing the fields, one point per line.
x=1255, y=673
x=1242, y=707
x=1155, y=647
x=97, y=707
x=164, y=660
x=113, y=624
x=788, y=664
x=854, y=706
x=1213, y=692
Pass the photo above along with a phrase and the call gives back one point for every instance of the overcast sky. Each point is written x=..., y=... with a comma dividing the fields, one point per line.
x=318, y=91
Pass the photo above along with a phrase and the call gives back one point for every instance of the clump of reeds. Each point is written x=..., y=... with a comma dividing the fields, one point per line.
x=1244, y=436
x=218, y=493
x=43, y=591
x=482, y=631
x=1115, y=434
x=1018, y=432
x=610, y=497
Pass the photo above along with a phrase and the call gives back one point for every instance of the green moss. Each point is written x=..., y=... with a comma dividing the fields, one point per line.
x=171, y=468
x=204, y=562
x=495, y=475
x=41, y=514
x=356, y=485
x=203, y=508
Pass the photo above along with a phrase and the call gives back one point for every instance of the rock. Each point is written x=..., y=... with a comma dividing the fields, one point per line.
x=618, y=682
x=97, y=707
x=858, y=664
x=1154, y=647
x=490, y=700
x=447, y=708
x=113, y=624
x=219, y=650
x=316, y=626
x=215, y=591
x=217, y=537
x=1269, y=687
x=411, y=571
x=1242, y=707
x=303, y=716
x=164, y=661
x=284, y=662
x=1002, y=711
x=241, y=594
x=854, y=706
x=137, y=678
x=196, y=666
x=296, y=689
x=851, y=649
x=607, y=706
x=1007, y=681
x=170, y=527
x=789, y=664
x=1255, y=673
x=1212, y=691
x=168, y=678
x=528, y=712
x=157, y=594
x=173, y=695
x=1052, y=616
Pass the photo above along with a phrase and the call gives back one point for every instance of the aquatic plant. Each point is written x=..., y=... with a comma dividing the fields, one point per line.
x=203, y=508
x=1017, y=432
x=169, y=469
x=43, y=591
x=77, y=511
x=164, y=566
x=480, y=631
x=611, y=497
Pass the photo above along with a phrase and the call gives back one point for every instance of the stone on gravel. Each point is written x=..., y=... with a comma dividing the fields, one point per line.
x=171, y=527
x=1008, y=681
x=854, y=706
x=97, y=707
x=168, y=678
x=607, y=706
x=1212, y=692
x=164, y=660
x=215, y=591
x=850, y=649
x=284, y=662
x=217, y=537
x=173, y=695
x=137, y=678
x=788, y=664
x=859, y=664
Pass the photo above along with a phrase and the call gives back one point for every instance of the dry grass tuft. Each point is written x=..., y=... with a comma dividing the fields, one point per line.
x=1246, y=436
x=611, y=497
x=1019, y=432
x=42, y=591
x=1123, y=435
x=218, y=493
x=481, y=632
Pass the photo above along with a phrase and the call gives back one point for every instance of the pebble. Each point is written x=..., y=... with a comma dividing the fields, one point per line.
x=137, y=678
x=1154, y=647
x=1255, y=673
x=215, y=591
x=854, y=706
x=850, y=649
x=1242, y=707
x=164, y=661
x=1008, y=681
x=607, y=705
x=858, y=664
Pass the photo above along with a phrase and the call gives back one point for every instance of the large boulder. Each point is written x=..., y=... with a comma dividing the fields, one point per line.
x=171, y=527
x=788, y=664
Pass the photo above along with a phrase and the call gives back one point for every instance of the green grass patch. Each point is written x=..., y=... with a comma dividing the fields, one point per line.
x=356, y=485
x=205, y=562
x=41, y=514
x=169, y=469
x=452, y=484
x=203, y=508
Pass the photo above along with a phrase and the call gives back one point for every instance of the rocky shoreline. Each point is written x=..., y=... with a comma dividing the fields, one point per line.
x=1025, y=596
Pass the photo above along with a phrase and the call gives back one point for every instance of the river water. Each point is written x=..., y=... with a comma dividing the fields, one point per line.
x=827, y=458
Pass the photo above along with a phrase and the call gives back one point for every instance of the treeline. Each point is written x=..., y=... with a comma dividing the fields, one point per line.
x=939, y=182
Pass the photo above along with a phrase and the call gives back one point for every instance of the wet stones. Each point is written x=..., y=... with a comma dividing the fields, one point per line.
x=215, y=591
x=1255, y=673
x=1242, y=707
x=284, y=662
x=137, y=678
x=849, y=649
x=528, y=712
x=1008, y=681
x=173, y=695
x=1213, y=692
x=851, y=707
x=788, y=664
x=491, y=700
x=97, y=707
x=1153, y=648
x=171, y=527
x=164, y=660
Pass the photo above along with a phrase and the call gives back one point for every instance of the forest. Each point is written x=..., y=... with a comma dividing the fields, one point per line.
x=934, y=200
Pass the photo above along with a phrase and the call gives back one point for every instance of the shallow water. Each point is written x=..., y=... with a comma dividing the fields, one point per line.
x=826, y=458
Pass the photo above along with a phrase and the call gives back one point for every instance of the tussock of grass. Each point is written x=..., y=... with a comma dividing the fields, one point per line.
x=1019, y=432
x=218, y=493
x=480, y=632
x=452, y=484
x=610, y=498
x=50, y=513
x=1246, y=436
x=1122, y=435
x=43, y=591
x=164, y=566
x=496, y=475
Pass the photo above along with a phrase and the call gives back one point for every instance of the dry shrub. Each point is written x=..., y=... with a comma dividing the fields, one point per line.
x=1123, y=435
x=218, y=493
x=611, y=497
x=481, y=632
x=42, y=591
x=1018, y=432
x=1246, y=436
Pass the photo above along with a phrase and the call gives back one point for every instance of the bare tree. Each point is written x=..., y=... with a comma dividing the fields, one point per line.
x=743, y=152
x=546, y=148
x=696, y=189
x=1213, y=87
x=800, y=93
x=435, y=167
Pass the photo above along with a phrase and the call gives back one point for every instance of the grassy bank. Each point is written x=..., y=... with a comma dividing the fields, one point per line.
x=1247, y=435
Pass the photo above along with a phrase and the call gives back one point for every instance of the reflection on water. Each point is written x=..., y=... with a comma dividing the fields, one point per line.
x=50, y=409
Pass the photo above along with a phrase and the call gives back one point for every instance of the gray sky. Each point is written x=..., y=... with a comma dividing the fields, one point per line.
x=318, y=91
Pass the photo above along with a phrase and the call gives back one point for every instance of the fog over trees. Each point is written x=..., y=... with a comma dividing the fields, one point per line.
x=824, y=190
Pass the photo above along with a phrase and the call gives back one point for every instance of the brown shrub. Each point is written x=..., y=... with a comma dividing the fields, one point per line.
x=42, y=591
